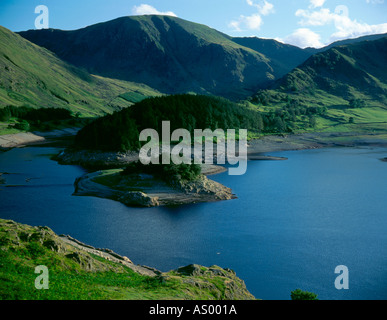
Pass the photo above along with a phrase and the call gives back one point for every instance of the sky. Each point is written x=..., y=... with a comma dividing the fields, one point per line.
x=304, y=23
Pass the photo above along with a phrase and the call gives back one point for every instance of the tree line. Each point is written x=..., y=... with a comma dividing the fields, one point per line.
x=27, y=116
x=167, y=172
x=34, y=115
x=120, y=131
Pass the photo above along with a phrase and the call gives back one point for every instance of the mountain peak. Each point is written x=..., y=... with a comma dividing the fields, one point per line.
x=173, y=55
x=167, y=53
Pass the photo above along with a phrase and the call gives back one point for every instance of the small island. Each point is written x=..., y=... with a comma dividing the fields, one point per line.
x=154, y=185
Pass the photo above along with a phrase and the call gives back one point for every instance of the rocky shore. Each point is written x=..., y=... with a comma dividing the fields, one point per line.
x=315, y=140
x=15, y=140
x=24, y=247
x=96, y=159
x=100, y=159
x=258, y=149
x=21, y=139
x=109, y=255
x=148, y=192
x=144, y=190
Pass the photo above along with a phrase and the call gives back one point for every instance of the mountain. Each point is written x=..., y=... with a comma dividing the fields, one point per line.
x=34, y=77
x=283, y=57
x=357, y=70
x=342, y=89
x=169, y=54
x=348, y=41
x=173, y=55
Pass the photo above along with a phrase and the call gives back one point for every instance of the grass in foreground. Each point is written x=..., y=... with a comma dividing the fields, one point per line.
x=78, y=275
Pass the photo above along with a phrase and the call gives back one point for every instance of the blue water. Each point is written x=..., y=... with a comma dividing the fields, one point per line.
x=293, y=222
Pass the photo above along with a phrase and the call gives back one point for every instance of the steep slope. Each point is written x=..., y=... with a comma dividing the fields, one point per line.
x=33, y=76
x=81, y=272
x=351, y=71
x=283, y=57
x=341, y=89
x=166, y=53
x=348, y=41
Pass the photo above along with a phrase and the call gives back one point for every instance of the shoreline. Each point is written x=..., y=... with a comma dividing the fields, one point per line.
x=257, y=150
x=186, y=282
x=22, y=139
x=316, y=140
x=142, y=190
x=110, y=255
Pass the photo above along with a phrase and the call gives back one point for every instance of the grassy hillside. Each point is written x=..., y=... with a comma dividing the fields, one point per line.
x=75, y=274
x=174, y=55
x=348, y=41
x=34, y=77
x=167, y=53
x=351, y=71
x=349, y=82
x=283, y=57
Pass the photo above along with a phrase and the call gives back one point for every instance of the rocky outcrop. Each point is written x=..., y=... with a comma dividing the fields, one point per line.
x=104, y=160
x=96, y=159
x=206, y=187
x=27, y=246
x=138, y=198
x=235, y=288
x=107, y=254
x=13, y=234
x=146, y=191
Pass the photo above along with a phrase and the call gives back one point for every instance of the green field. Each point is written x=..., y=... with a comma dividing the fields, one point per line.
x=338, y=115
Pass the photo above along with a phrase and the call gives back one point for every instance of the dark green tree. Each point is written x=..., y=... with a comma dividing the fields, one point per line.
x=356, y=103
x=299, y=294
x=23, y=125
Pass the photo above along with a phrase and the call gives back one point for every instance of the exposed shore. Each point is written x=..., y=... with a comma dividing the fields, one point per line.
x=9, y=141
x=258, y=149
x=154, y=193
x=110, y=256
x=17, y=140
x=142, y=190
x=315, y=140
x=149, y=192
x=26, y=246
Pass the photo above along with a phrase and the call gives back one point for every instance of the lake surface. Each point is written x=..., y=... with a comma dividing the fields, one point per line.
x=294, y=221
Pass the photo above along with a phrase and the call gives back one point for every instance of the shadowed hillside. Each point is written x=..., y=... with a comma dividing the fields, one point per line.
x=166, y=53
x=348, y=71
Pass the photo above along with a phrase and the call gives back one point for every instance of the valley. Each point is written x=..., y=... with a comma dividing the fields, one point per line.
x=74, y=103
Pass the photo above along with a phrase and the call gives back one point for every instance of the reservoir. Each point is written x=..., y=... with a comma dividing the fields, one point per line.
x=293, y=223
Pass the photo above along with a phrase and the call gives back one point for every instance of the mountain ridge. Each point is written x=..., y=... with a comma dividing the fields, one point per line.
x=174, y=55
x=33, y=76
x=345, y=71
x=167, y=53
